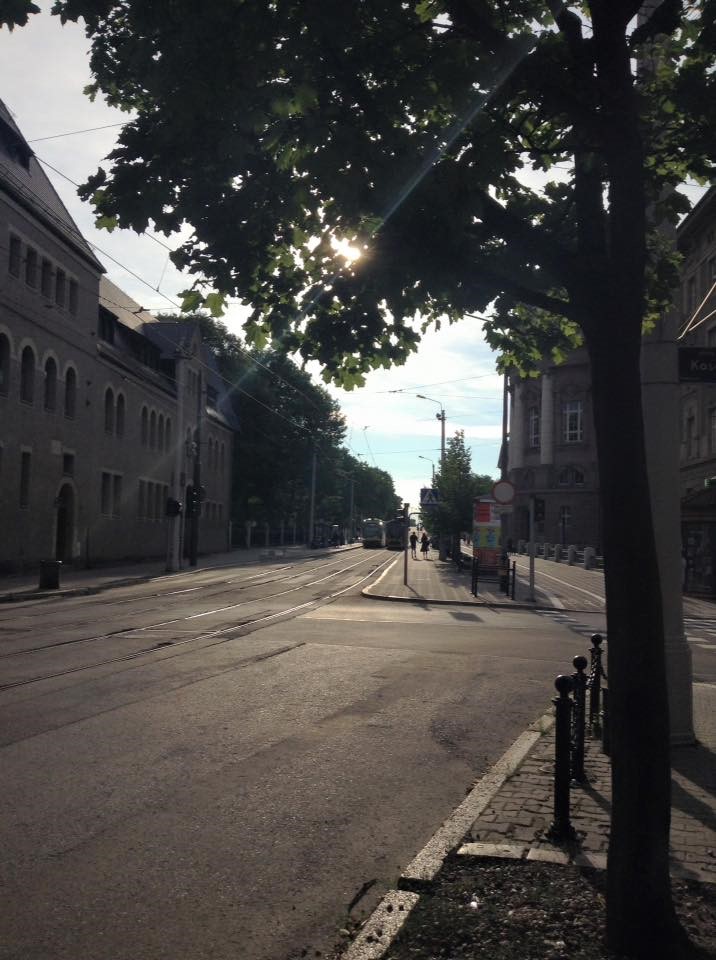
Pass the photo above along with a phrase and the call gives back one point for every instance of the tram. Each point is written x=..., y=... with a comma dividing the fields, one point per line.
x=373, y=533
x=395, y=534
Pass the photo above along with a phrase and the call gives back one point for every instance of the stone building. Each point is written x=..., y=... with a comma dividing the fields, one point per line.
x=552, y=455
x=105, y=413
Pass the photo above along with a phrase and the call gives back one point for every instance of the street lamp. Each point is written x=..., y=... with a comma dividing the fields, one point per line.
x=441, y=417
x=421, y=457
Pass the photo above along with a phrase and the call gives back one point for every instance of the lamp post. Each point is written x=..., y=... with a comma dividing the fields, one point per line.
x=421, y=457
x=441, y=417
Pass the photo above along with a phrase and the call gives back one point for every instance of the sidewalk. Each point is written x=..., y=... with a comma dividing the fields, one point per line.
x=500, y=827
x=75, y=582
x=440, y=581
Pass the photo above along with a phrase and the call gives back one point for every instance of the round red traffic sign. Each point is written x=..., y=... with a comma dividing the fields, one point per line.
x=503, y=492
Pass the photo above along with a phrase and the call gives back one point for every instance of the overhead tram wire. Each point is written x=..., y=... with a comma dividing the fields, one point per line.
x=74, y=133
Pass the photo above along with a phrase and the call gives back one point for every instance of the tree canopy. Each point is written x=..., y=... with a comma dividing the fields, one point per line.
x=458, y=486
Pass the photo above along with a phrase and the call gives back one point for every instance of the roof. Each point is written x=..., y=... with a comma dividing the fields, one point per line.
x=701, y=215
x=126, y=310
x=31, y=186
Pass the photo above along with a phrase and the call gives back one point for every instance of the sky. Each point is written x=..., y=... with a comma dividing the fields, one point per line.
x=43, y=70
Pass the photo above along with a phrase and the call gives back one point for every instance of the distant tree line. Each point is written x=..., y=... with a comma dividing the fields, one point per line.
x=283, y=416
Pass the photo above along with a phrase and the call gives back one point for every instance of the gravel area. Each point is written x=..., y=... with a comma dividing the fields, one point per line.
x=518, y=910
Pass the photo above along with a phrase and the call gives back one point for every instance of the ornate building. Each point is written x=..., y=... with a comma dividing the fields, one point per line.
x=105, y=413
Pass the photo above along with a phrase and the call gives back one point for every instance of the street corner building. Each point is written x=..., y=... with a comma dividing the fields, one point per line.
x=109, y=418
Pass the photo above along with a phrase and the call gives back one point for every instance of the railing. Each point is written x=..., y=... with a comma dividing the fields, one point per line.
x=572, y=721
x=505, y=575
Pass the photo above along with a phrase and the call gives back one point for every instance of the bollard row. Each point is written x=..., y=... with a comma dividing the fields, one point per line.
x=572, y=720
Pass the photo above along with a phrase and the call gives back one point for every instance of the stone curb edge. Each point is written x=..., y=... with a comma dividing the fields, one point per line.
x=33, y=593
x=390, y=915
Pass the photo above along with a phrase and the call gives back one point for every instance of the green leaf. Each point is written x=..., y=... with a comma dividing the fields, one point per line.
x=215, y=303
x=107, y=223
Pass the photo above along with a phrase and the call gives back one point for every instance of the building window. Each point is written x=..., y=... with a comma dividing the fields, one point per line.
x=711, y=337
x=692, y=448
x=160, y=432
x=25, y=469
x=572, y=429
x=70, y=393
x=27, y=375
x=168, y=434
x=60, y=282
x=106, y=494
x=50, y=384
x=221, y=458
x=68, y=464
x=691, y=295
x=144, y=427
x=15, y=255
x=46, y=278
x=119, y=415
x=4, y=364
x=578, y=477
x=141, y=499
x=116, y=494
x=31, y=267
x=73, y=296
x=109, y=410
x=152, y=430
x=533, y=426
x=565, y=518
x=564, y=477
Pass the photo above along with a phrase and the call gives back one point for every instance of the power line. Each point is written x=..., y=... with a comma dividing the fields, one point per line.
x=74, y=133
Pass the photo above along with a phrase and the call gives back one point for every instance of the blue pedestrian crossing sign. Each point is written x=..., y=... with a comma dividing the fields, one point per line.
x=429, y=497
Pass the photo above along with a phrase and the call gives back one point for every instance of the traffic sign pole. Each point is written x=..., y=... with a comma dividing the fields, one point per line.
x=531, y=594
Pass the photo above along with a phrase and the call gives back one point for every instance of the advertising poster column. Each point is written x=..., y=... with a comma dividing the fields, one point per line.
x=486, y=540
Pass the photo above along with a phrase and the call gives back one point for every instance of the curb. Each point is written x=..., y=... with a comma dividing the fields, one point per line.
x=389, y=917
x=34, y=593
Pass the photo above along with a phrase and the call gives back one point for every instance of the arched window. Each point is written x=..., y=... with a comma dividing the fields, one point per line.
x=70, y=393
x=160, y=432
x=27, y=375
x=152, y=430
x=50, y=384
x=109, y=410
x=4, y=364
x=119, y=415
x=168, y=434
x=221, y=458
x=145, y=422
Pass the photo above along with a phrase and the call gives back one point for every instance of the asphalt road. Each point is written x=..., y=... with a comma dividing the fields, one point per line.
x=221, y=772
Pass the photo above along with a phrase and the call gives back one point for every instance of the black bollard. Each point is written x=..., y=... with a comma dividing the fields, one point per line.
x=475, y=563
x=561, y=828
x=606, y=737
x=596, y=672
x=579, y=680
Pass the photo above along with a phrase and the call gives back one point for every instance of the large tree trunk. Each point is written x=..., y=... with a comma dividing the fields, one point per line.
x=640, y=915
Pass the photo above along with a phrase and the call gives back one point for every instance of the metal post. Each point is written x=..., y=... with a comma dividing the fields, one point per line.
x=514, y=578
x=579, y=685
x=406, y=531
x=312, y=507
x=606, y=733
x=531, y=591
x=475, y=571
x=596, y=672
x=561, y=828
x=196, y=479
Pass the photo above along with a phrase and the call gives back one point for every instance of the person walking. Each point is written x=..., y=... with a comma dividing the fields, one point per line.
x=413, y=545
x=424, y=545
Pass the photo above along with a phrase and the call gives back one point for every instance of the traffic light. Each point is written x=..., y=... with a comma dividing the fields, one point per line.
x=174, y=507
x=539, y=510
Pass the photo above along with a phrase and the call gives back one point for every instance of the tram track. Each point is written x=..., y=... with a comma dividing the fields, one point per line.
x=169, y=648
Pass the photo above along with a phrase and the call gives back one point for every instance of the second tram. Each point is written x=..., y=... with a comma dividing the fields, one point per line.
x=395, y=534
x=373, y=533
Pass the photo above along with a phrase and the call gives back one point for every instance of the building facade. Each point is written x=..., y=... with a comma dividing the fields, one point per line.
x=105, y=413
x=551, y=455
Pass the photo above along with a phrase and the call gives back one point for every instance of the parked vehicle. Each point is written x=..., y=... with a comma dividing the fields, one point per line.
x=373, y=533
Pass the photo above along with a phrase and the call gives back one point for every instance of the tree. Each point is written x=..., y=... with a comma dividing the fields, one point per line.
x=280, y=131
x=458, y=487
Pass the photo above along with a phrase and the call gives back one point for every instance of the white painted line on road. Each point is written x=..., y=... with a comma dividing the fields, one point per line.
x=572, y=586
